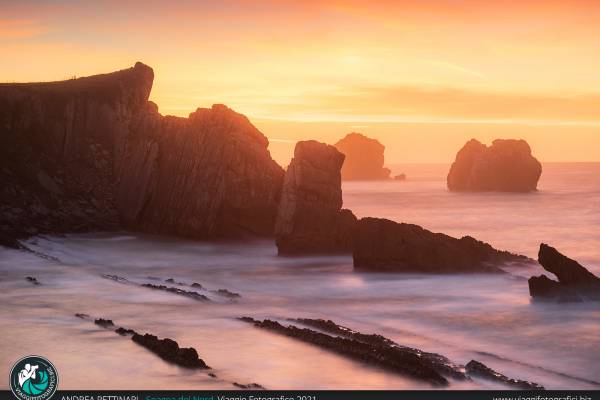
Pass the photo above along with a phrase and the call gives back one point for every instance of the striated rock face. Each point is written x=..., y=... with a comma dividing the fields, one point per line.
x=506, y=166
x=364, y=158
x=575, y=283
x=93, y=154
x=386, y=246
x=310, y=217
x=58, y=145
x=209, y=175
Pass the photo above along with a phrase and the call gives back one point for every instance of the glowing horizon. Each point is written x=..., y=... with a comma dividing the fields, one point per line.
x=411, y=74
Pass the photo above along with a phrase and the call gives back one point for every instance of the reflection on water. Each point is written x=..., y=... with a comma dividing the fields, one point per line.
x=458, y=316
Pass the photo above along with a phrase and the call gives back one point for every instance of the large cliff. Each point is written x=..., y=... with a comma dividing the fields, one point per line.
x=93, y=154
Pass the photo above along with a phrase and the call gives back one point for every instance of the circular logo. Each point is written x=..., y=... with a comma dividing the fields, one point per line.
x=33, y=378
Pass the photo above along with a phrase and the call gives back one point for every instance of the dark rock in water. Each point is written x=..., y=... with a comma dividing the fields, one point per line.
x=32, y=280
x=82, y=316
x=105, y=323
x=170, y=280
x=93, y=154
x=435, y=361
x=375, y=352
x=575, y=283
x=364, y=158
x=386, y=246
x=475, y=368
x=186, y=293
x=505, y=166
x=169, y=350
x=249, y=386
x=124, y=332
x=212, y=375
x=226, y=293
x=310, y=218
x=401, y=177
x=197, y=285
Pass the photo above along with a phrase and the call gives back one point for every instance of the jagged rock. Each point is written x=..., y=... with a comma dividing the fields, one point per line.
x=575, y=283
x=386, y=246
x=381, y=353
x=209, y=175
x=475, y=368
x=124, y=331
x=506, y=166
x=169, y=350
x=249, y=386
x=437, y=361
x=100, y=156
x=186, y=293
x=364, y=158
x=310, y=217
x=32, y=280
x=400, y=177
x=105, y=323
x=82, y=316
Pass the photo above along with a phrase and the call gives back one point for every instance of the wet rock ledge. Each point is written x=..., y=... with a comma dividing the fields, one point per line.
x=382, y=352
x=575, y=283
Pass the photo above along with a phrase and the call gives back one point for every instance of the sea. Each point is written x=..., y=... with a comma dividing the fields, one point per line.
x=489, y=318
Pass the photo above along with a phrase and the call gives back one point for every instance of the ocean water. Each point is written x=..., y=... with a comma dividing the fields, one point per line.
x=487, y=318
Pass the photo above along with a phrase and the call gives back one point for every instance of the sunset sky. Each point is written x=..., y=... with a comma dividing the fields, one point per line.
x=421, y=76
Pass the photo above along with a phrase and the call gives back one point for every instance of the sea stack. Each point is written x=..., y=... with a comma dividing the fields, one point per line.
x=505, y=166
x=310, y=218
x=93, y=154
x=364, y=158
x=575, y=283
x=381, y=245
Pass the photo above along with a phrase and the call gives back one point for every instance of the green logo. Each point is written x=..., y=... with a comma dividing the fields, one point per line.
x=33, y=378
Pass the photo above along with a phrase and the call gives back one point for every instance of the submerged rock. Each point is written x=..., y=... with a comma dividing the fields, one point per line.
x=575, y=283
x=387, y=246
x=310, y=217
x=505, y=166
x=371, y=349
x=475, y=368
x=32, y=280
x=364, y=158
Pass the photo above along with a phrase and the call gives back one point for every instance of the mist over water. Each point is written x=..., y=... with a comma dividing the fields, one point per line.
x=488, y=318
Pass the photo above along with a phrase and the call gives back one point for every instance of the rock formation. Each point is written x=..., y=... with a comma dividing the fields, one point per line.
x=203, y=176
x=505, y=166
x=375, y=350
x=364, y=158
x=575, y=283
x=310, y=217
x=476, y=368
x=94, y=154
x=386, y=246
